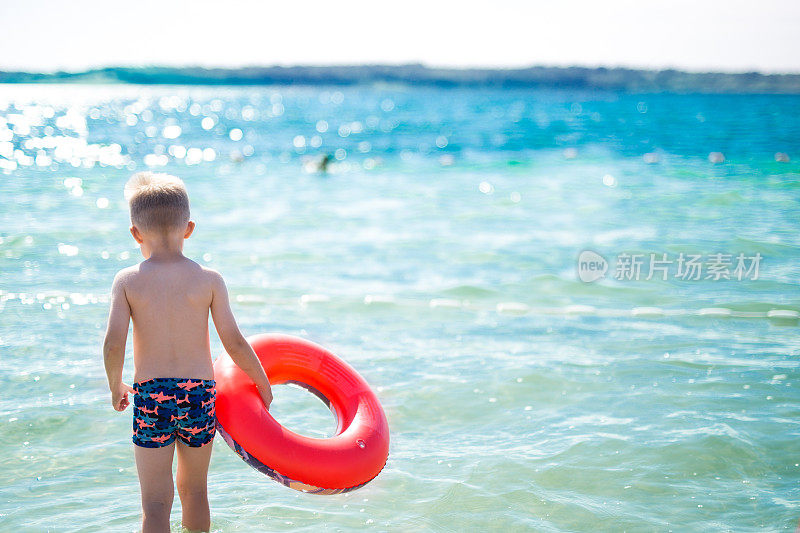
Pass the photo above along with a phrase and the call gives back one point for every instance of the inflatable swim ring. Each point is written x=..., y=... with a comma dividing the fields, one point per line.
x=348, y=460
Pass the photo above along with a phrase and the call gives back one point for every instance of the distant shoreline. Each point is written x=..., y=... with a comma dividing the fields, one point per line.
x=601, y=78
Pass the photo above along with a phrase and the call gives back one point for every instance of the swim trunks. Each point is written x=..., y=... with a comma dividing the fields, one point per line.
x=168, y=408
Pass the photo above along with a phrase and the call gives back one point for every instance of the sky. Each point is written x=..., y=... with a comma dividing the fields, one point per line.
x=698, y=35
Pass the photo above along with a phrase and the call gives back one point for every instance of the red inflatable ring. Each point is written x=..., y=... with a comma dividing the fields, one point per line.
x=344, y=462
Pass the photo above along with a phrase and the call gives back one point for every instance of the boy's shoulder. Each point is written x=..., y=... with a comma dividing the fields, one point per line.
x=213, y=276
x=126, y=274
x=200, y=272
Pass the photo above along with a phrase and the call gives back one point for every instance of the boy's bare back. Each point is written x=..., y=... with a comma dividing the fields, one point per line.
x=169, y=303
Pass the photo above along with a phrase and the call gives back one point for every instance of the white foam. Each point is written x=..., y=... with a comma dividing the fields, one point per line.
x=512, y=308
x=314, y=298
x=647, y=311
x=783, y=313
x=370, y=299
x=714, y=311
x=444, y=302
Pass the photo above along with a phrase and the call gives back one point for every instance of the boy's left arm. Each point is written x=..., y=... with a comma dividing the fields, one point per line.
x=114, y=344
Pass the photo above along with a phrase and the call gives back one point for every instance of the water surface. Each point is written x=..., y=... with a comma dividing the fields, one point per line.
x=438, y=256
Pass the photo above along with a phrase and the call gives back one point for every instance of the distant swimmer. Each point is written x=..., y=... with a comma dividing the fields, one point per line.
x=323, y=163
x=318, y=165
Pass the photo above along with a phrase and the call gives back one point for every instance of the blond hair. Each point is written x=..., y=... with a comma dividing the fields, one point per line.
x=158, y=202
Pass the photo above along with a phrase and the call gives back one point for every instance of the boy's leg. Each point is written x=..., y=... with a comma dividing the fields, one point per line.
x=155, y=479
x=192, y=480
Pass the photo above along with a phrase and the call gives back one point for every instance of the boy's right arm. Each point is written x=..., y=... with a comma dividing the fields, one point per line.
x=119, y=318
x=232, y=339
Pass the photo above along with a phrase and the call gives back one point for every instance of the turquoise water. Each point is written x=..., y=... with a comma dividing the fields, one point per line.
x=438, y=255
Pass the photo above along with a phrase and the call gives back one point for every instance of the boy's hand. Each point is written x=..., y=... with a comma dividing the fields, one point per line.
x=119, y=396
x=266, y=395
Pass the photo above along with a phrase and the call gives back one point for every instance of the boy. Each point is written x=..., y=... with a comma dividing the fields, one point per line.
x=168, y=297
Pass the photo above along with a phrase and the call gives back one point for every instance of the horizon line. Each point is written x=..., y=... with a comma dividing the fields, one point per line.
x=418, y=64
x=535, y=76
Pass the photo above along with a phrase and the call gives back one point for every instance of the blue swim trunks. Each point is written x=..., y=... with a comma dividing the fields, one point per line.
x=168, y=408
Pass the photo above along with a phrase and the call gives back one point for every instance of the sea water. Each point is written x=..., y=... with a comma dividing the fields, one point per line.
x=439, y=255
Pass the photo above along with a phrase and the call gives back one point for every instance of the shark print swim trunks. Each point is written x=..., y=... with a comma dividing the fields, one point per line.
x=168, y=408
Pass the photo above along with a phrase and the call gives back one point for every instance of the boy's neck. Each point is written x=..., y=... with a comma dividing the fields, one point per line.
x=163, y=249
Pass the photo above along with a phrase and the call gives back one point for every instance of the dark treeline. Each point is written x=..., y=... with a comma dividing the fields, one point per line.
x=617, y=79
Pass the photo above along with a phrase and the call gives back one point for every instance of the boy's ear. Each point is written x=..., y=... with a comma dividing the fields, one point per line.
x=137, y=236
x=189, y=229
